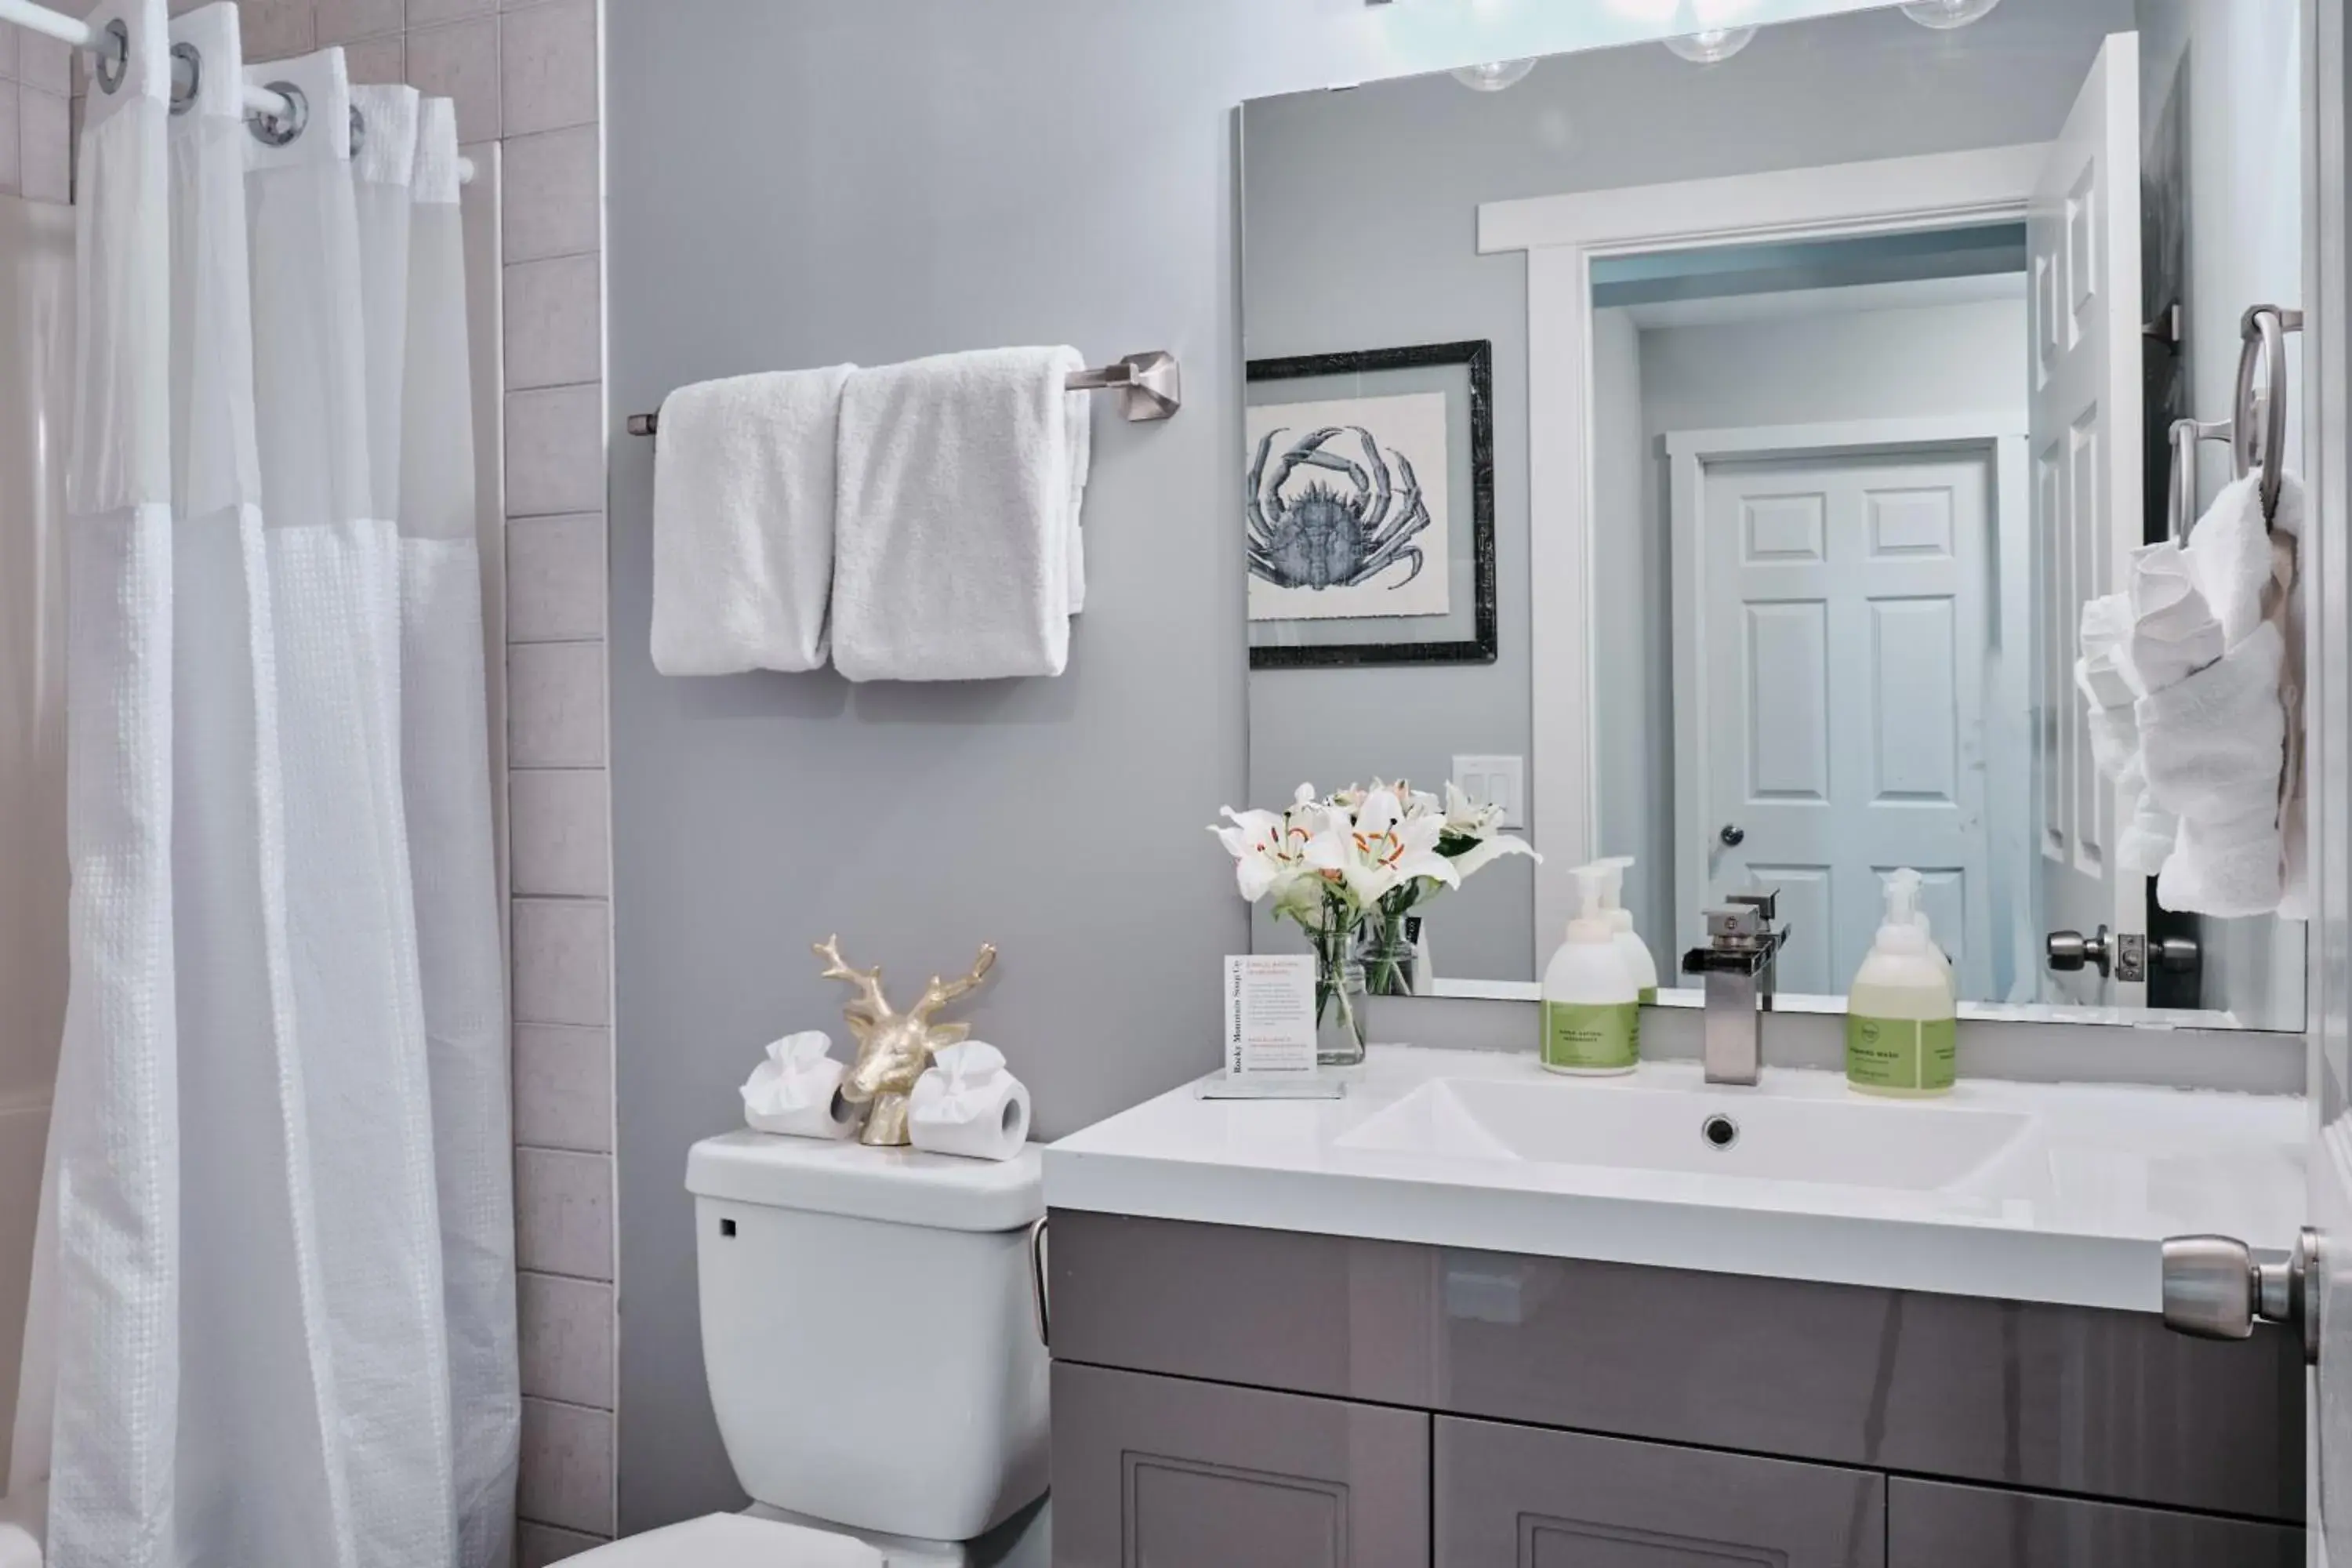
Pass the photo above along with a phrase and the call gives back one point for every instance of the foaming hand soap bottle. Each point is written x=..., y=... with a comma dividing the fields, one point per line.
x=1630, y=945
x=1591, y=1007
x=1900, y=1019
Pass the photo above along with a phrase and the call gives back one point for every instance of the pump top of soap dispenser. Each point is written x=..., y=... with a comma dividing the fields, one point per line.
x=1593, y=921
x=1905, y=929
x=1612, y=870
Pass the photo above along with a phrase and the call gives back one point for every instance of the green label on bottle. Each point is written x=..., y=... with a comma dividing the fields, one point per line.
x=1901, y=1053
x=1592, y=1036
x=1649, y=996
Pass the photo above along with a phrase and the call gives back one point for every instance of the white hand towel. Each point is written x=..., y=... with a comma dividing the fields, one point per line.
x=2108, y=690
x=958, y=551
x=967, y=1104
x=2230, y=553
x=2173, y=630
x=743, y=522
x=796, y=1091
x=2286, y=548
x=2212, y=746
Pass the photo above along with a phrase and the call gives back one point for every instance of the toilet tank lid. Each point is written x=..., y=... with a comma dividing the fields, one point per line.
x=905, y=1186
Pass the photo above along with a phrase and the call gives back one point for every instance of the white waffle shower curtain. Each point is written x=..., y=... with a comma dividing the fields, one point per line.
x=274, y=1295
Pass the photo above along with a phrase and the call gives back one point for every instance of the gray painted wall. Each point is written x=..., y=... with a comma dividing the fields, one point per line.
x=795, y=182
x=1360, y=231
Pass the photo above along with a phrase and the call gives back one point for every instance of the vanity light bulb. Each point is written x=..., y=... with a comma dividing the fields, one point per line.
x=1711, y=46
x=1494, y=76
x=1945, y=14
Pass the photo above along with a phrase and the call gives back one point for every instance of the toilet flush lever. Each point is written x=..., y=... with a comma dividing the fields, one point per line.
x=1037, y=1307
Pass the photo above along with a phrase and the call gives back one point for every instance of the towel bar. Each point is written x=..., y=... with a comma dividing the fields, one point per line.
x=1153, y=385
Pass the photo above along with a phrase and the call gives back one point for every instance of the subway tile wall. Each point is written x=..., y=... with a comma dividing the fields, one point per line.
x=524, y=75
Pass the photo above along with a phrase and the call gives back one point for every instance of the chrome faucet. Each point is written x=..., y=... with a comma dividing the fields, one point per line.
x=1743, y=946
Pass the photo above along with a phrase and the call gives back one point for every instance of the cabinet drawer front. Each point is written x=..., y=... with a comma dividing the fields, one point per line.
x=2062, y=1399
x=1930, y=1524
x=1156, y=1472
x=1521, y=1497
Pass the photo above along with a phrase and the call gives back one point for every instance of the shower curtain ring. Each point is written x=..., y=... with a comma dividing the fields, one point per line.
x=115, y=60
x=184, y=99
x=275, y=131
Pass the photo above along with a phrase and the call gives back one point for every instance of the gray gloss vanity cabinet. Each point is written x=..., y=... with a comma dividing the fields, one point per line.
x=1243, y=1397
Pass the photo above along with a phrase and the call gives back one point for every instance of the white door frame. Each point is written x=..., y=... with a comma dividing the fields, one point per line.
x=2001, y=436
x=1562, y=235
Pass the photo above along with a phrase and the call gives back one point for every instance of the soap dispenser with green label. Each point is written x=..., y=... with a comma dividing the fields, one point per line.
x=1630, y=945
x=1591, y=1007
x=1900, y=1029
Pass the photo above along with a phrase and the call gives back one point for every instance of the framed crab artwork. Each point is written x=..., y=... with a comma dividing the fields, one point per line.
x=1370, y=507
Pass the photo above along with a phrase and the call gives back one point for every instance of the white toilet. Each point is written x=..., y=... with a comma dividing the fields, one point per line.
x=870, y=1333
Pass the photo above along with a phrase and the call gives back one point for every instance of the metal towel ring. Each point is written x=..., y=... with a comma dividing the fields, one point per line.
x=2259, y=438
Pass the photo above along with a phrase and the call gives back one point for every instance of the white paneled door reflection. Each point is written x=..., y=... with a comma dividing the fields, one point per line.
x=1845, y=631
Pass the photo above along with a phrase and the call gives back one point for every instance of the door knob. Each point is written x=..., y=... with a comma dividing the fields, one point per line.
x=2213, y=1289
x=1733, y=835
x=2070, y=950
x=2175, y=954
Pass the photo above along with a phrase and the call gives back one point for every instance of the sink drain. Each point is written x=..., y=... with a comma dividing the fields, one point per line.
x=1719, y=1130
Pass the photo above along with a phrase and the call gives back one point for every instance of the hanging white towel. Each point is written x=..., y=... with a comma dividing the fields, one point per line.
x=2212, y=746
x=743, y=522
x=2104, y=676
x=2171, y=630
x=962, y=478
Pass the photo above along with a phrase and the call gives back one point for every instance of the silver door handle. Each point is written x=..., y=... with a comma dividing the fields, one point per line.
x=1733, y=835
x=2213, y=1289
x=2070, y=951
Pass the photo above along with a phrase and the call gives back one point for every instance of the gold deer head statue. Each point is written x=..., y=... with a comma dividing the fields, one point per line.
x=895, y=1048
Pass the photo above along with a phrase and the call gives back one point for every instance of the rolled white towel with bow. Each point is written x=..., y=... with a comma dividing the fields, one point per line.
x=967, y=1104
x=797, y=1090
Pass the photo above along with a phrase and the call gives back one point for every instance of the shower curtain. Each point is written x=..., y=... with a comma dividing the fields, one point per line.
x=274, y=1290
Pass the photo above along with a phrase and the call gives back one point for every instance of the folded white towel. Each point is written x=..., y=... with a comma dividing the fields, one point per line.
x=2212, y=746
x=2109, y=691
x=743, y=522
x=2229, y=553
x=2173, y=630
x=796, y=1091
x=958, y=553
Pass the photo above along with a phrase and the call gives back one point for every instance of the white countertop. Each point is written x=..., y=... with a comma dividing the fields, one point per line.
x=2053, y=1192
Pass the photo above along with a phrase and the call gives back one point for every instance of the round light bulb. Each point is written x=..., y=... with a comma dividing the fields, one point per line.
x=1711, y=46
x=1945, y=14
x=1494, y=76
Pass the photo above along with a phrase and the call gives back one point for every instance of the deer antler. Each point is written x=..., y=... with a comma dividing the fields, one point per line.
x=869, y=982
x=940, y=992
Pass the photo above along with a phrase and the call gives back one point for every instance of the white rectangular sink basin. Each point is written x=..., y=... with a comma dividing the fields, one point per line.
x=2027, y=1192
x=1885, y=1144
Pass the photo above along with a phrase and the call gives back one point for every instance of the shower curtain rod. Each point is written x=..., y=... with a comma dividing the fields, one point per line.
x=81, y=35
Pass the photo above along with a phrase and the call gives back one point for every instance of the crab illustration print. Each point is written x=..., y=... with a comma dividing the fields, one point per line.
x=1339, y=523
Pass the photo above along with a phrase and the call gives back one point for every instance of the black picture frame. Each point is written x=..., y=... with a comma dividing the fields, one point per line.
x=1477, y=355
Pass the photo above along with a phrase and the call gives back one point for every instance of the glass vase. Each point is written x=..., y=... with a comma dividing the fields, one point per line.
x=1338, y=991
x=1387, y=957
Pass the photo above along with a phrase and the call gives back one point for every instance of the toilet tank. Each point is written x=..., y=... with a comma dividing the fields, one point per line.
x=869, y=1331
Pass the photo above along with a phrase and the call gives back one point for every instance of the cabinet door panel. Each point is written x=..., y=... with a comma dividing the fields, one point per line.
x=1521, y=1496
x=1156, y=1472
x=1930, y=1524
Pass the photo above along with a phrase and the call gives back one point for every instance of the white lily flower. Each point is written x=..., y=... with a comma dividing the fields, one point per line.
x=1388, y=847
x=1486, y=851
x=1265, y=854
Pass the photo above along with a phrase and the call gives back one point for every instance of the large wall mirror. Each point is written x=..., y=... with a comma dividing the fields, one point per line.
x=1707, y=451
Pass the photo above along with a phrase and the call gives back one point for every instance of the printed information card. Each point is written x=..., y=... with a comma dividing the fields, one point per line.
x=1269, y=1014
